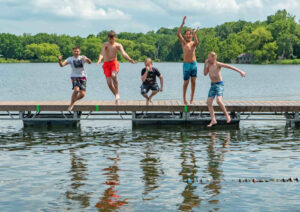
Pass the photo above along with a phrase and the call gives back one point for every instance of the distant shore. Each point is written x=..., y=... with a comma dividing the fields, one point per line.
x=279, y=62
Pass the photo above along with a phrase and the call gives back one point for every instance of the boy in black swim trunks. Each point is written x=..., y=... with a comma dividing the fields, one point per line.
x=78, y=75
x=149, y=74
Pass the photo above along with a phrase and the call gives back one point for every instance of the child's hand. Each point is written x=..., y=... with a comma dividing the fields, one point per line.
x=206, y=62
x=183, y=21
x=243, y=74
x=84, y=58
x=60, y=58
x=196, y=30
x=132, y=61
x=98, y=62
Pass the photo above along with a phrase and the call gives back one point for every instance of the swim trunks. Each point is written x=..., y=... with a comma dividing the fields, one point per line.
x=146, y=87
x=109, y=67
x=189, y=70
x=216, y=89
x=79, y=82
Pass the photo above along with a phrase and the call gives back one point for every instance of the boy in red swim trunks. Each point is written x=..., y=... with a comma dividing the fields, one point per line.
x=111, y=65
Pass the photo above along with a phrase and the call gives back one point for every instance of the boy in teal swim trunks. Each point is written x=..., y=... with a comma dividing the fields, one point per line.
x=190, y=62
x=213, y=68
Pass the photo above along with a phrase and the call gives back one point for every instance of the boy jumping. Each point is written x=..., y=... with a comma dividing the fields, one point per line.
x=190, y=62
x=78, y=75
x=213, y=68
x=149, y=74
x=111, y=65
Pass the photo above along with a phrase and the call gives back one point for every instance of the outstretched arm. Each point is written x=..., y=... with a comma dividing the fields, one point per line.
x=60, y=62
x=223, y=65
x=179, y=30
x=125, y=55
x=101, y=55
x=195, y=35
x=206, y=69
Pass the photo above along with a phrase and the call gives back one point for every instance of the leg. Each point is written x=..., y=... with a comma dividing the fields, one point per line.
x=116, y=85
x=81, y=95
x=154, y=92
x=193, y=86
x=74, y=98
x=110, y=85
x=223, y=108
x=185, y=85
x=209, y=103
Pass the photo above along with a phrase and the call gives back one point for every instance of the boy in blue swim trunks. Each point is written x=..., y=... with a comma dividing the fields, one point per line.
x=189, y=58
x=213, y=68
x=78, y=75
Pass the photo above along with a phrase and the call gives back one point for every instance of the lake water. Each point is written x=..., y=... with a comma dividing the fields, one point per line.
x=110, y=166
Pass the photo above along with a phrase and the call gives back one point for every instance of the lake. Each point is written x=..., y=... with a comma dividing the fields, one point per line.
x=110, y=166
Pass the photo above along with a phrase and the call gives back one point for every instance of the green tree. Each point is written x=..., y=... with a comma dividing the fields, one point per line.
x=43, y=52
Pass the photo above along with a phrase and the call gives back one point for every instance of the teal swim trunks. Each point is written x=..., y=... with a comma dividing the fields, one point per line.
x=216, y=89
x=189, y=70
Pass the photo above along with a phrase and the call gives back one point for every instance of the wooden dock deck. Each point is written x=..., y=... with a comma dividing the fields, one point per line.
x=159, y=105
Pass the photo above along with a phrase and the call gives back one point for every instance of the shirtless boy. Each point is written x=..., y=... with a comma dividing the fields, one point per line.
x=189, y=58
x=78, y=75
x=148, y=76
x=111, y=65
x=213, y=68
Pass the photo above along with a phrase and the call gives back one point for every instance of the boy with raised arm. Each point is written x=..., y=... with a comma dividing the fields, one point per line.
x=189, y=58
x=149, y=75
x=111, y=65
x=78, y=75
x=213, y=68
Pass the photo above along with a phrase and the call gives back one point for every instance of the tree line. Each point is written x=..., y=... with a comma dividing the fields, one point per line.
x=275, y=39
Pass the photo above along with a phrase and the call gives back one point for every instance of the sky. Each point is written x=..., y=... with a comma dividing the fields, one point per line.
x=84, y=17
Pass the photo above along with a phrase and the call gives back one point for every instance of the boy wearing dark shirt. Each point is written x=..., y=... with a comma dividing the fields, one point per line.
x=149, y=74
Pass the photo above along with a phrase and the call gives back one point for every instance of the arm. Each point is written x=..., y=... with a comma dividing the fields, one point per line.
x=161, y=79
x=223, y=65
x=125, y=55
x=179, y=31
x=60, y=62
x=196, y=38
x=101, y=55
x=88, y=60
x=206, y=68
x=144, y=76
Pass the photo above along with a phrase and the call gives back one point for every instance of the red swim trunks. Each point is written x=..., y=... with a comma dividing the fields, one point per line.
x=109, y=67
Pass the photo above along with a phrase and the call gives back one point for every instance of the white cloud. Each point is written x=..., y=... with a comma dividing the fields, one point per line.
x=81, y=9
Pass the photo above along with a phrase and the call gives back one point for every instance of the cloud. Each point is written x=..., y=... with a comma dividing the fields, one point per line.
x=79, y=9
x=91, y=16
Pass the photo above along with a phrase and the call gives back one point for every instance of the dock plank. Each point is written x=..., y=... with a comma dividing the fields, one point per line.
x=158, y=105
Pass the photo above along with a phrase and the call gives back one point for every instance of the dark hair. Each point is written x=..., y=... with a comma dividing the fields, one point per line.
x=111, y=34
x=188, y=30
x=76, y=47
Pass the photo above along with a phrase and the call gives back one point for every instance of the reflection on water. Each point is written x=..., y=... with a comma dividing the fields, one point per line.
x=107, y=168
x=78, y=173
x=110, y=199
x=188, y=171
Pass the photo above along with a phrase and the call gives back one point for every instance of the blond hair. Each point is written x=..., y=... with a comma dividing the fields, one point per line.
x=148, y=60
x=213, y=54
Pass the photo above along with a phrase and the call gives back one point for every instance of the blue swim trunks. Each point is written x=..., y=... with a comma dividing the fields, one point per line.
x=216, y=89
x=189, y=70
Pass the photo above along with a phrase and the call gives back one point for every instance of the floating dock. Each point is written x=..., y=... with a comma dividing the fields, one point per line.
x=160, y=112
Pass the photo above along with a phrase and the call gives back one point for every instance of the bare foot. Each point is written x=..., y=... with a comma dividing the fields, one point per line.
x=150, y=101
x=185, y=102
x=147, y=101
x=117, y=99
x=228, y=119
x=212, y=123
x=192, y=102
x=70, y=108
